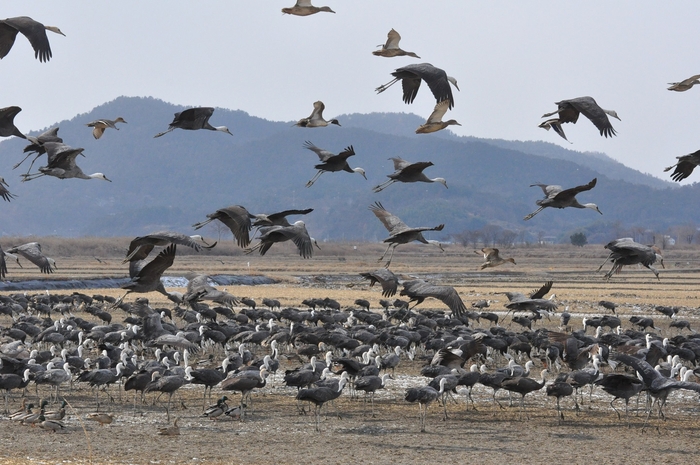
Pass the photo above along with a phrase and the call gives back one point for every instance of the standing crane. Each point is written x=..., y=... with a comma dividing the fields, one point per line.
x=34, y=31
x=411, y=76
x=557, y=197
x=331, y=162
x=391, y=47
x=405, y=171
x=193, y=119
x=399, y=232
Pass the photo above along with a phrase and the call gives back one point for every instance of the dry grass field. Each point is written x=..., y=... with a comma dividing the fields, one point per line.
x=276, y=433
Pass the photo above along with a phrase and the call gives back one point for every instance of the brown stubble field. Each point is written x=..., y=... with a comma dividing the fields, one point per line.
x=276, y=433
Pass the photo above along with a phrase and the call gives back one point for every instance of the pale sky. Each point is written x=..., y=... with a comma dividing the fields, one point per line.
x=512, y=61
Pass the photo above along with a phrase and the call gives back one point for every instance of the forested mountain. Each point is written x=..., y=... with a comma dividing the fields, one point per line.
x=174, y=181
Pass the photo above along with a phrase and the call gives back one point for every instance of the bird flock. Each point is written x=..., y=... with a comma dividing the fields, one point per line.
x=151, y=352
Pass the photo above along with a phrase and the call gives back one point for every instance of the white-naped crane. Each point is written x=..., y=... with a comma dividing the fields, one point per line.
x=99, y=126
x=492, y=258
x=405, y=171
x=685, y=166
x=434, y=122
x=61, y=164
x=399, y=232
x=569, y=111
x=685, y=84
x=391, y=48
x=627, y=252
x=236, y=218
x=305, y=8
x=557, y=197
x=315, y=119
x=193, y=119
x=32, y=252
x=34, y=31
x=411, y=76
x=332, y=163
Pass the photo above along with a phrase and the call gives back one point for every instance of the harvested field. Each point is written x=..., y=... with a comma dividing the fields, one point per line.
x=277, y=433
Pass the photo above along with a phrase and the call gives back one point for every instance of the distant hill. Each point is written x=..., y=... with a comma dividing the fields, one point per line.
x=176, y=180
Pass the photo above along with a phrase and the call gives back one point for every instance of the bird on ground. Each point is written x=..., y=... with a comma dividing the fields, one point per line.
x=245, y=382
x=315, y=119
x=277, y=219
x=172, y=430
x=50, y=425
x=386, y=278
x=492, y=258
x=685, y=166
x=54, y=376
x=7, y=123
x=425, y=396
x=36, y=145
x=331, y=162
x=165, y=384
x=237, y=218
x=434, y=122
x=620, y=387
x=685, y=84
x=560, y=388
x=609, y=305
x=216, y=410
x=193, y=119
x=305, y=8
x=10, y=381
x=319, y=396
x=405, y=171
x=627, y=252
x=297, y=233
x=61, y=164
x=100, y=125
x=399, y=232
x=418, y=290
x=145, y=277
x=557, y=197
x=32, y=252
x=100, y=417
x=391, y=47
x=524, y=386
x=569, y=111
x=34, y=31
x=4, y=191
x=141, y=246
x=411, y=76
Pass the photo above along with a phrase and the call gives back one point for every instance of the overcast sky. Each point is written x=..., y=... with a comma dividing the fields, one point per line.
x=512, y=61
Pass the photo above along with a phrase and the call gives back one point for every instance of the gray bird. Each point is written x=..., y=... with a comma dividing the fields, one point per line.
x=386, y=278
x=296, y=233
x=418, y=290
x=331, y=163
x=7, y=121
x=685, y=166
x=4, y=192
x=405, y=171
x=193, y=119
x=236, y=218
x=61, y=164
x=36, y=145
x=32, y=252
x=569, y=111
x=305, y=8
x=627, y=252
x=34, y=31
x=411, y=76
x=141, y=246
x=557, y=197
x=145, y=277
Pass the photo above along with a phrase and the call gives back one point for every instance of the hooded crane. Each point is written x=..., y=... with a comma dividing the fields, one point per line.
x=405, y=171
x=141, y=246
x=145, y=277
x=61, y=164
x=685, y=84
x=331, y=162
x=32, y=252
x=399, y=232
x=236, y=218
x=411, y=76
x=418, y=290
x=533, y=303
x=7, y=122
x=315, y=119
x=297, y=233
x=386, y=278
x=627, y=252
x=685, y=166
x=193, y=119
x=569, y=111
x=199, y=289
x=305, y=8
x=435, y=122
x=36, y=145
x=34, y=31
x=620, y=387
x=4, y=191
x=391, y=47
x=425, y=396
x=277, y=219
x=100, y=125
x=557, y=197
x=492, y=258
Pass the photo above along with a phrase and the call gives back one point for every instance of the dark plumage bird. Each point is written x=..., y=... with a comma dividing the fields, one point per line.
x=627, y=252
x=558, y=197
x=199, y=289
x=418, y=290
x=207, y=376
x=569, y=111
x=523, y=386
x=533, y=303
x=32, y=252
x=411, y=76
x=560, y=388
x=141, y=246
x=609, y=305
x=370, y=384
x=165, y=384
x=297, y=233
x=685, y=166
x=7, y=121
x=244, y=382
x=61, y=164
x=620, y=387
x=424, y=396
x=34, y=31
x=319, y=396
x=145, y=277
x=405, y=171
x=387, y=279
x=236, y=218
x=332, y=163
x=278, y=218
x=193, y=119
x=4, y=191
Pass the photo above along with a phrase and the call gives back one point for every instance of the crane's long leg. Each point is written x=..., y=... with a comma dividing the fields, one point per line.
x=613, y=407
x=383, y=185
x=202, y=223
x=313, y=180
x=384, y=87
x=533, y=213
x=606, y=261
x=162, y=134
x=391, y=256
